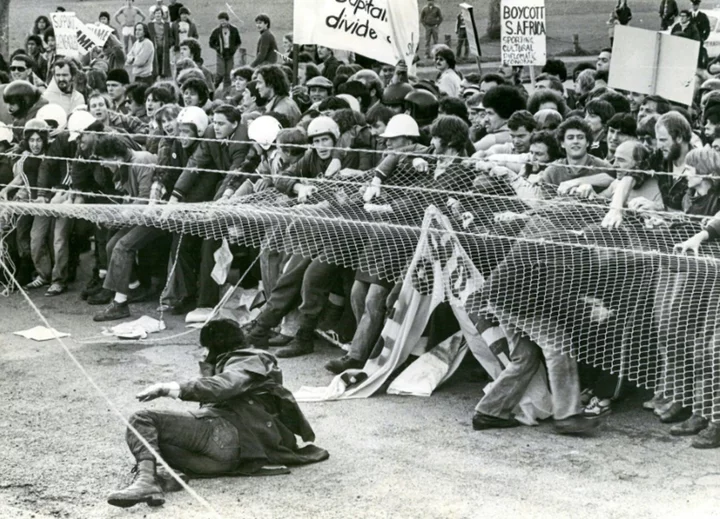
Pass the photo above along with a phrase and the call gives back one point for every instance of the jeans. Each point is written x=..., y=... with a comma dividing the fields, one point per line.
x=562, y=373
x=224, y=66
x=185, y=255
x=47, y=231
x=431, y=34
x=462, y=43
x=368, y=304
x=22, y=236
x=205, y=445
x=122, y=250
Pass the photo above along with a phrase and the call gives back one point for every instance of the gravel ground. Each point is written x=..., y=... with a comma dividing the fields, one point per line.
x=400, y=457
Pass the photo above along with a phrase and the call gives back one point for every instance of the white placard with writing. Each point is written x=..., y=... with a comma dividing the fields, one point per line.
x=384, y=30
x=523, y=39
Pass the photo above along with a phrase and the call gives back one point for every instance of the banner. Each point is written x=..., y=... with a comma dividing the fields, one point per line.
x=653, y=63
x=66, y=43
x=472, y=33
x=72, y=37
x=379, y=29
x=101, y=31
x=522, y=40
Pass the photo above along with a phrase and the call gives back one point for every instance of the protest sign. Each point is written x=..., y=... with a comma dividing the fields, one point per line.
x=522, y=40
x=101, y=31
x=653, y=63
x=66, y=43
x=86, y=37
x=379, y=29
x=466, y=10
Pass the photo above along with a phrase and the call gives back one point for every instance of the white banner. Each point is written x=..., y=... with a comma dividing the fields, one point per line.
x=379, y=29
x=72, y=37
x=66, y=43
x=101, y=31
x=523, y=32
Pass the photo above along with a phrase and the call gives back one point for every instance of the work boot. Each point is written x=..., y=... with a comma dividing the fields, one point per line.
x=145, y=488
x=167, y=482
x=101, y=297
x=258, y=336
x=278, y=339
x=658, y=401
x=183, y=306
x=93, y=287
x=577, y=424
x=302, y=344
x=113, y=312
x=689, y=427
x=708, y=438
x=332, y=314
x=343, y=363
x=140, y=294
x=676, y=413
x=483, y=421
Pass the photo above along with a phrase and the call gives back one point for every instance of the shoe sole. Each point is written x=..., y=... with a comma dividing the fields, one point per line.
x=151, y=500
x=591, y=425
x=484, y=427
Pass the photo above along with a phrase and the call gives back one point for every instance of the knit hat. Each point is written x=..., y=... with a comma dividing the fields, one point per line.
x=119, y=75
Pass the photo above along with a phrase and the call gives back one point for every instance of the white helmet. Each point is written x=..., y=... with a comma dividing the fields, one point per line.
x=6, y=133
x=79, y=121
x=194, y=115
x=53, y=112
x=323, y=125
x=401, y=125
x=264, y=130
x=351, y=100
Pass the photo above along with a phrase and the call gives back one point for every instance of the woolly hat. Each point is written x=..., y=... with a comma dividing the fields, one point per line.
x=119, y=75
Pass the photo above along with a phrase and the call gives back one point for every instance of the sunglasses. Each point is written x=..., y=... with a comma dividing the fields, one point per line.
x=18, y=69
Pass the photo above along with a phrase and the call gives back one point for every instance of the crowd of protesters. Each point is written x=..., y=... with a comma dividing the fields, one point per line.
x=145, y=121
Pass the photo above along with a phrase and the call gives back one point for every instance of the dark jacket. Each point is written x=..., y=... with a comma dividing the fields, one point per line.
x=690, y=32
x=266, y=50
x=201, y=186
x=431, y=16
x=216, y=41
x=330, y=67
x=163, y=46
x=172, y=159
x=245, y=388
x=55, y=171
x=700, y=20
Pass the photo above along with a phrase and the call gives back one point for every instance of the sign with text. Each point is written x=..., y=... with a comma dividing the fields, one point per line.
x=101, y=31
x=66, y=43
x=72, y=37
x=522, y=39
x=466, y=10
x=385, y=30
x=654, y=63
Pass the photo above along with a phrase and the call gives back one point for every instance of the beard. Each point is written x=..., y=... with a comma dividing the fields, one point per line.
x=675, y=152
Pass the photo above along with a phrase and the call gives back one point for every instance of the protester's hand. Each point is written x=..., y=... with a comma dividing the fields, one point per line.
x=583, y=191
x=153, y=392
x=41, y=200
x=653, y=222
x=333, y=168
x=262, y=185
x=508, y=216
x=3, y=195
x=351, y=173
x=420, y=165
x=299, y=90
x=503, y=172
x=692, y=244
x=565, y=187
x=378, y=208
x=641, y=204
x=304, y=192
x=484, y=166
x=613, y=219
x=373, y=190
x=534, y=179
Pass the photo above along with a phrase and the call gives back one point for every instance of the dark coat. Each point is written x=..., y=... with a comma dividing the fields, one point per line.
x=245, y=388
x=201, y=186
x=192, y=33
x=161, y=65
x=216, y=41
x=700, y=20
x=690, y=32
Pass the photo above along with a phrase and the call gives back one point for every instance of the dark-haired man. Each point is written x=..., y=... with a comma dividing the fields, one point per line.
x=500, y=103
x=246, y=421
x=267, y=46
x=61, y=90
x=225, y=41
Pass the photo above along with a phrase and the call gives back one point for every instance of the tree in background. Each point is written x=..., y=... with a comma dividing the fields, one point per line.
x=5, y=27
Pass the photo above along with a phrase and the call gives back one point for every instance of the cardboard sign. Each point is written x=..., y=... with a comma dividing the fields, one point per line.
x=472, y=33
x=385, y=30
x=654, y=63
x=522, y=40
x=66, y=43
x=101, y=31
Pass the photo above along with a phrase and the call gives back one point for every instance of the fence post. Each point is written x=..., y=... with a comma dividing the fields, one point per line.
x=576, y=45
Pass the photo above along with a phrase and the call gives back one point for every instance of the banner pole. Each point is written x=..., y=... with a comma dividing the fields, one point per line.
x=296, y=56
x=532, y=75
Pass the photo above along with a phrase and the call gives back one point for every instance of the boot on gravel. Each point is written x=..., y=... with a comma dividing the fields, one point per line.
x=169, y=483
x=145, y=488
x=302, y=344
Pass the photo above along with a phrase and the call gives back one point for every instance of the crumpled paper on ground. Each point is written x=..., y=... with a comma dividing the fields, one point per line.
x=137, y=329
x=41, y=333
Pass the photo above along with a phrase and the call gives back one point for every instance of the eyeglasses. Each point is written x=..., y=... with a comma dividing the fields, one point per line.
x=18, y=69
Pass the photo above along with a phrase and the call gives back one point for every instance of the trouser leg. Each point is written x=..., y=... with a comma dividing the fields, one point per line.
x=509, y=388
x=319, y=279
x=286, y=292
x=205, y=445
x=184, y=257
x=61, y=247
x=123, y=254
x=209, y=290
x=40, y=246
x=370, y=324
